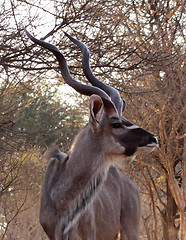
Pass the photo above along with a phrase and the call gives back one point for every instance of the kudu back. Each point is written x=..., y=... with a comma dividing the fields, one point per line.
x=84, y=195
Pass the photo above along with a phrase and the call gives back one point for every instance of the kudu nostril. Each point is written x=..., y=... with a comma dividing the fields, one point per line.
x=153, y=139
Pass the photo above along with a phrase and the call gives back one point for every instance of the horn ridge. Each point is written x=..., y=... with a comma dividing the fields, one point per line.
x=111, y=91
x=79, y=87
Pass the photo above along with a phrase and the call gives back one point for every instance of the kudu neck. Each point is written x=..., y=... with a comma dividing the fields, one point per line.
x=86, y=171
x=87, y=153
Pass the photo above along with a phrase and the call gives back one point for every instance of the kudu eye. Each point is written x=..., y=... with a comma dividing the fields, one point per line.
x=116, y=125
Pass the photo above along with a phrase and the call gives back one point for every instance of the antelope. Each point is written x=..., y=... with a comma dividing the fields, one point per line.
x=84, y=195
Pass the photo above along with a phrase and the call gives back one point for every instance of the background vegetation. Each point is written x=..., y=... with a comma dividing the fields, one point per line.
x=137, y=47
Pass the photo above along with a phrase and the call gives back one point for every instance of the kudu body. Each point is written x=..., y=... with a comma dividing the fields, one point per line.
x=84, y=196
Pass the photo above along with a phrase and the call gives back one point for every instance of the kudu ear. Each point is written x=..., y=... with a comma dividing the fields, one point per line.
x=98, y=106
x=96, y=109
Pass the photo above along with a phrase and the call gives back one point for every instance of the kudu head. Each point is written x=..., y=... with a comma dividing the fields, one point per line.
x=107, y=125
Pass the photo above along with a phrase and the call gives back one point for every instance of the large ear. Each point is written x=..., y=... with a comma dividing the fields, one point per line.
x=96, y=109
x=98, y=106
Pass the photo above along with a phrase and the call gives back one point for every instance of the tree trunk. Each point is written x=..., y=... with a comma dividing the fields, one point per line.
x=170, y=232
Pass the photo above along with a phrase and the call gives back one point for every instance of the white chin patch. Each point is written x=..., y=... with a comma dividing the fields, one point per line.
x=148, y=148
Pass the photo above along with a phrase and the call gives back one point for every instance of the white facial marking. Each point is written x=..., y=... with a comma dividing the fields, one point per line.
x=132, y=127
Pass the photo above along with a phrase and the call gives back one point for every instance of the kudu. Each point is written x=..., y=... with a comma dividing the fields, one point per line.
x=84, y=195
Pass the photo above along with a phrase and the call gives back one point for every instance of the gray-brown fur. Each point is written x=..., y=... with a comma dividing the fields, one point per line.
x=87, y=210
x=84, y=196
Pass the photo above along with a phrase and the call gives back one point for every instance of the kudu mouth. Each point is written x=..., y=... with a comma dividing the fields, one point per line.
x=144, y=137
x=153, y=142
x=141, y=140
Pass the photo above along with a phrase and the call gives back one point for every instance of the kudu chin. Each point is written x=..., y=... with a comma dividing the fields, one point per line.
x=84, y=195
